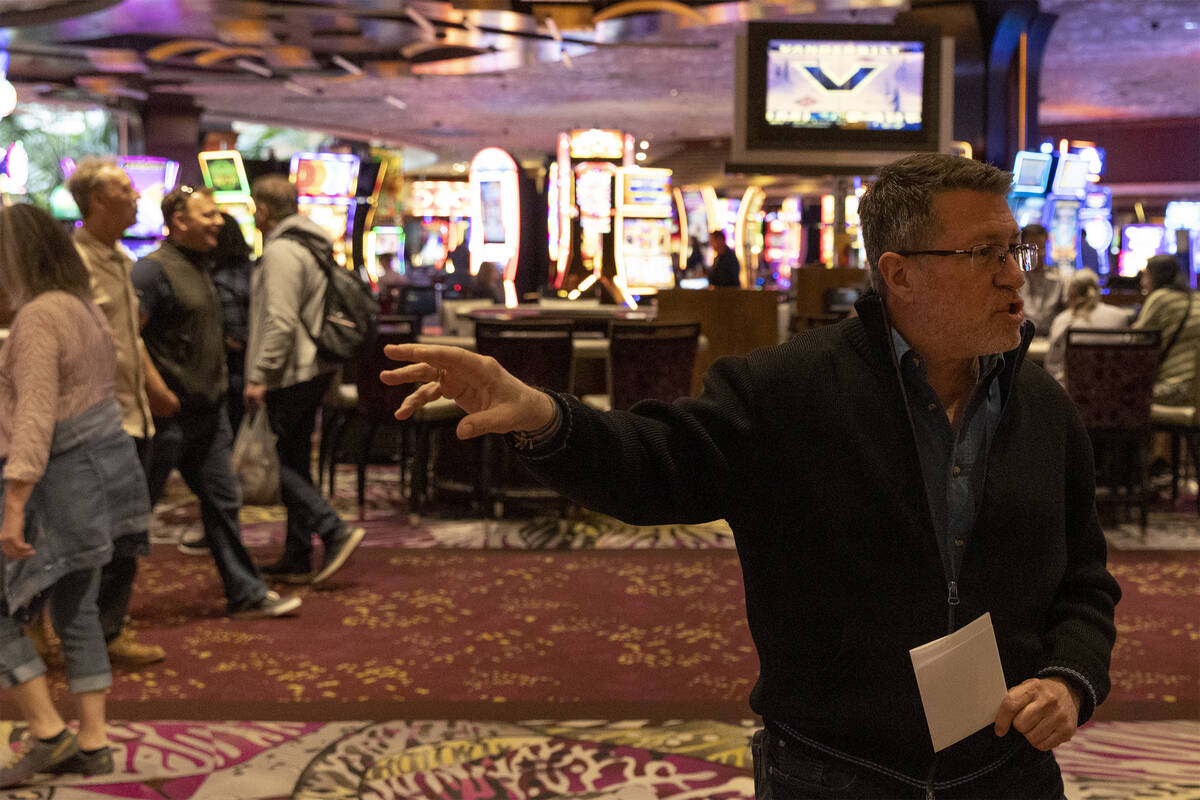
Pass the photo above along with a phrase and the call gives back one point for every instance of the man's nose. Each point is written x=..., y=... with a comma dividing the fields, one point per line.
x=1010, y=274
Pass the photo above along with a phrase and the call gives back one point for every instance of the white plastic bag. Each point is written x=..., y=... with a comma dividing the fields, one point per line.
x=255, y=461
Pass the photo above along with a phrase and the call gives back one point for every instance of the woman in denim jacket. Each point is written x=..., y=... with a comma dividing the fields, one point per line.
x=72, y=483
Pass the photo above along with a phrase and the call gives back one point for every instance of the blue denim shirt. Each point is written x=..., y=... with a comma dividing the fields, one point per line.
x=953, y=462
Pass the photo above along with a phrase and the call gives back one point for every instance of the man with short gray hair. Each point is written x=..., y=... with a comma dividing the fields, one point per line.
x=932, y=477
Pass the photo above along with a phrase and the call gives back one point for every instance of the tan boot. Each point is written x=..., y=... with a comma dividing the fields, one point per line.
x=45, y=641
x=123, y=651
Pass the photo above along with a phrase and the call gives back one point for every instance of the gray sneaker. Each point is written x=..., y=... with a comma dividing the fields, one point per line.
x=97, y=762
x=271, y=605
x=338, y=552
x=37, y=756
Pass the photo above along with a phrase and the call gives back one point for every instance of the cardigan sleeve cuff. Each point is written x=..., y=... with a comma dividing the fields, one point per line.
x=1087, y=693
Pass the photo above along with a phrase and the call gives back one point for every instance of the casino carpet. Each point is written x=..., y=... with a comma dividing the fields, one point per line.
x=638, y=635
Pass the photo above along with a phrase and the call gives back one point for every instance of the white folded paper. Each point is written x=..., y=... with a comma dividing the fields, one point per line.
x=961, y=681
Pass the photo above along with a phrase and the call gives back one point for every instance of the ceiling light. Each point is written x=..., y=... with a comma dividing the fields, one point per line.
x=460, y=166
x=253, y=66
x=1190, y=25
x=674, y=93
x=645, y=145
x=640, y=156
x=353, y=69
x=300, y=89
x=395, y=102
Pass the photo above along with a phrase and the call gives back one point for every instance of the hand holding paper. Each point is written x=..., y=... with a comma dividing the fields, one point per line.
x=1045, y=710
x=961, y=682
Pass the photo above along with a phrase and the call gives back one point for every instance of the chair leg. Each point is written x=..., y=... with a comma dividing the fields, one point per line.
x=420, y=469
x=1175, y=443
x=364, y=453
x=1192, y=440
x=337, y=431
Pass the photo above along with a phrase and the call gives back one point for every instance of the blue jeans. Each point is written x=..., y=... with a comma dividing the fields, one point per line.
x=292, y=412
x=784, y=770
x=76, y=619
x=199, y=443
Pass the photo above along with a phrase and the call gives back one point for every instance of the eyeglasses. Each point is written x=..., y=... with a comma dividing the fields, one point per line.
x=991, y=257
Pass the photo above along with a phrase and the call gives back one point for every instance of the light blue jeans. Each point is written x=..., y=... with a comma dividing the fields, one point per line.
x=72, y=602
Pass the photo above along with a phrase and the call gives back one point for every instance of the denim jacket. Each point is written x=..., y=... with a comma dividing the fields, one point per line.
x=93, y=491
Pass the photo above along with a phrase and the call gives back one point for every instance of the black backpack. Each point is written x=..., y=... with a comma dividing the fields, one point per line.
x=351, y=313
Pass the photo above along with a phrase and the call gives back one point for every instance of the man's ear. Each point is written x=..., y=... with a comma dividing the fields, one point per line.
x=897, y=272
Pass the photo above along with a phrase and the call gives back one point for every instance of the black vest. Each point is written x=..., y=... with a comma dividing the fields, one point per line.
x=184, y=338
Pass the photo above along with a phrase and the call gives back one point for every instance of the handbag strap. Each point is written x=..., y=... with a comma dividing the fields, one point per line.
x=1187, y=309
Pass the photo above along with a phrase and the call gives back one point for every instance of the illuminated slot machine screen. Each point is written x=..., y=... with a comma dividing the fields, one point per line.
x=646, y=195
x=225, y=174
x=594, y=196
x=325, y=175
x=646, y=253
x=1031, y=172
x=491, y=215
x=334, y=219
x=153, y=178
x=697, y=215
x=1138, y=244
x=1070, y=177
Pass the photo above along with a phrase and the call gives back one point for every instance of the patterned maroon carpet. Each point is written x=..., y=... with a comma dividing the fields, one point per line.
x=445, y=634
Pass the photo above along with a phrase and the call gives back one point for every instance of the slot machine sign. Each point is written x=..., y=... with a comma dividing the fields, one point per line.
x=325, y=175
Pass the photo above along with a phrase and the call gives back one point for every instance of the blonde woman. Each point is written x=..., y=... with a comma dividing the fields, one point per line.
x=71, y=484
x=1084, y=310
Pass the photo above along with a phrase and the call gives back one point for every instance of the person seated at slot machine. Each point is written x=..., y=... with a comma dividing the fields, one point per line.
x=895, y=535
x=1174, y=309
x=391, y=284
x=1044, y=294
x=486, y=284
x=726, y=269
x=1084, y=310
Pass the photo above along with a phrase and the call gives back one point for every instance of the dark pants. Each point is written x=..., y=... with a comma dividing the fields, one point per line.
x=784, y=770
x=292, y=412
x=117, y=576
x=199, y=443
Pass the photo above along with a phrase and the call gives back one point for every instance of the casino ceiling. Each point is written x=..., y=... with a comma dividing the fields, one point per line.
x=452, y=77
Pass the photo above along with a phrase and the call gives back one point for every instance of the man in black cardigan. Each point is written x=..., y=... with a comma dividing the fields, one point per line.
x=934, y=477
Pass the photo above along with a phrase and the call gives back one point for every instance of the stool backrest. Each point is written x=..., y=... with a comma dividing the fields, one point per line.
x=538, y=351
x=376, y=400
x=1110, y=376
x=651, y=360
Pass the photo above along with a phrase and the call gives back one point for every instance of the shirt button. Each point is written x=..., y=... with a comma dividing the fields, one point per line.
x=956, y=469
x=958, y=541
x=933, y=406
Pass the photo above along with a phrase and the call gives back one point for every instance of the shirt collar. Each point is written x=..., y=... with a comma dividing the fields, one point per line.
x=989, y=365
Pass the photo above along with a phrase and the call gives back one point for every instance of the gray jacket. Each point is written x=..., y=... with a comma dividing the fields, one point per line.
x=287, y=293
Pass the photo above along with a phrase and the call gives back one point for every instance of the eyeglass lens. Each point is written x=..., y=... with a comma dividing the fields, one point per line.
x=992, y=257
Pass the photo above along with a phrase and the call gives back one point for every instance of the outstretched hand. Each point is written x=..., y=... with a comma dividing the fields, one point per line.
x=495, y=401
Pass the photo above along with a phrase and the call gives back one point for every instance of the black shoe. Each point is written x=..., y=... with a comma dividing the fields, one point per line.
x=337, y=552
x=38, y=755
x=96, y=762
x=287, y=571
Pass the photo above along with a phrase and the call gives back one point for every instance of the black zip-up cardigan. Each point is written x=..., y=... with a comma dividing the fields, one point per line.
x=808, y=451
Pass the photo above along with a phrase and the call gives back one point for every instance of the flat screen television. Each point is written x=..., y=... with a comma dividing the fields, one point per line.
x=1031, y=172
x=839, y=98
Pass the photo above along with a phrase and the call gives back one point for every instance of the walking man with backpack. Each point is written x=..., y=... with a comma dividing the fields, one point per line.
x=285, y=376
